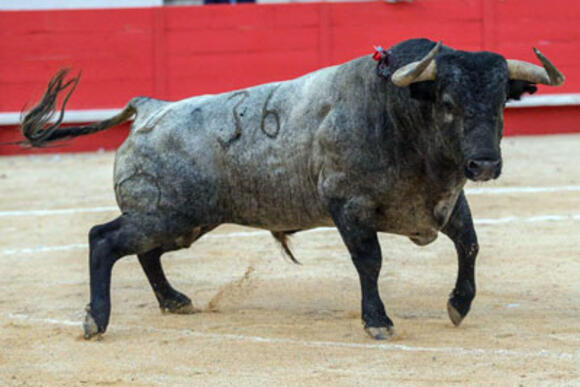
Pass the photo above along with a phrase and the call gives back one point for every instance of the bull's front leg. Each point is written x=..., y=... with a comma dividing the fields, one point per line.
x=461, y=231
x=361, y=240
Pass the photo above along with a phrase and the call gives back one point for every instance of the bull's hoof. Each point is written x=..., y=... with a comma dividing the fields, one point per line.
x=90, y=327
x=380, y=333
x=454, y=315
x=179, y=306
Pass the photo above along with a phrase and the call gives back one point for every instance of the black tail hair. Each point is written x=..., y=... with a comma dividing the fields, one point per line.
x=282, y=238
x=35, y=125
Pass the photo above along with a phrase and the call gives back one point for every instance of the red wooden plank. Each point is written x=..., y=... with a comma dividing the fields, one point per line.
x=259, y=39
x=98, y=70
x=192, y=75
x=217, y=17
x=74, y=20
x=398, y=15
x=241, y=16
x=489, y=23
x=551, y=31
x=77, y=47
x=538, y=10
x=88, y=95
x=542, y=120
x=159, y=51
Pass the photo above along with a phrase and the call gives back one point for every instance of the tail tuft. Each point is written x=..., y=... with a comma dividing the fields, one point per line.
x=282, y=238
x=35, y=123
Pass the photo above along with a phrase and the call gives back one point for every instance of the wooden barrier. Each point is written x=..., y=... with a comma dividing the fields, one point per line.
x=176, y=52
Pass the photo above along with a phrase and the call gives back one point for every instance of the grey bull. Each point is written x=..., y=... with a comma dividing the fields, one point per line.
x=369, y=146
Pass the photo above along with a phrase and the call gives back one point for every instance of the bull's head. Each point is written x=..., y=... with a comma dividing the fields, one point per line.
x=468, y=92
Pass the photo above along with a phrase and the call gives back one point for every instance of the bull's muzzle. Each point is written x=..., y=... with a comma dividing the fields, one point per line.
x=482, y=169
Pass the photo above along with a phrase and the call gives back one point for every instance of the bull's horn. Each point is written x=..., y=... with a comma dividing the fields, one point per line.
x=525, y=71
x=423, y=70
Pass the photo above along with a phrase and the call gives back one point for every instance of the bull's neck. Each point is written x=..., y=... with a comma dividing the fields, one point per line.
x=407, y=130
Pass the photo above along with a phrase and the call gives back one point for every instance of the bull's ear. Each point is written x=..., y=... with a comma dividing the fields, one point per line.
x=423, y=91
x=516, y=88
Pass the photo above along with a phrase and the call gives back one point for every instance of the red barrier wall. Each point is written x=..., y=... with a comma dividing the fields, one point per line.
x=175, y=52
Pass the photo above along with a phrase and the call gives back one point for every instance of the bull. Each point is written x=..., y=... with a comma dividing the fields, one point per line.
x=364, y=146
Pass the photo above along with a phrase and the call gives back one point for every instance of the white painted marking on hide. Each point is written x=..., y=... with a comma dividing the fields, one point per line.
x=305, y=343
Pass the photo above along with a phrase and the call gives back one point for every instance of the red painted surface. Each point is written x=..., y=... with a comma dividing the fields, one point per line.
x=107, y=140
x=176, y=52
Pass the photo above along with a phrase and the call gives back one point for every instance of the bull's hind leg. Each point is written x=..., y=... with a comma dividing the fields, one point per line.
x=170, y=300
x=461, y=231
x=108, y=243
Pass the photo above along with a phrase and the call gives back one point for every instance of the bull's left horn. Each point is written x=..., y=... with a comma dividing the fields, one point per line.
x=423, y=70
x=525, y=71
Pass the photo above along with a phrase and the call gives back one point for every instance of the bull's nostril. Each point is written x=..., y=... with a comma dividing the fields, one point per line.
x=472, y=165
x=482, y=170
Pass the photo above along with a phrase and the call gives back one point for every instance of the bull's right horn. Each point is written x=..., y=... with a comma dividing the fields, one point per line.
x=423, y=70
x=525, y=71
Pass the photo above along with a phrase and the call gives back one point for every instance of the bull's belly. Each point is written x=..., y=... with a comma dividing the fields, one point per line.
x=417, y=219
x=279, y=207
x=421, y=230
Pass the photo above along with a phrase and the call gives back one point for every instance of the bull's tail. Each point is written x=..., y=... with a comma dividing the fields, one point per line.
x=282, y=238
x=36, y=127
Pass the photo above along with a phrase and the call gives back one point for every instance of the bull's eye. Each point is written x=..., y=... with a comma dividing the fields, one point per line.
x=448, y=110
x=448, y=117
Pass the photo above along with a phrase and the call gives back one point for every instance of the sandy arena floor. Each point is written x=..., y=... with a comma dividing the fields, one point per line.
x=267, y=321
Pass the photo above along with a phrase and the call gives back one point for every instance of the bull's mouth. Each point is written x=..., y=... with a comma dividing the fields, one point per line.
x=483, y=170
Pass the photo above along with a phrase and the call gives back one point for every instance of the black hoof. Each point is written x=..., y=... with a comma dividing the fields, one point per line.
x=90, y=326
x=178, y=304
x=380, y=333
x=457, y=310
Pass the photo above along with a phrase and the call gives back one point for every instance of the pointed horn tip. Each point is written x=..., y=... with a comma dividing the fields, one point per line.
x=560, y=78
x=434, y=50
x=538, y=52
x=438, y=45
